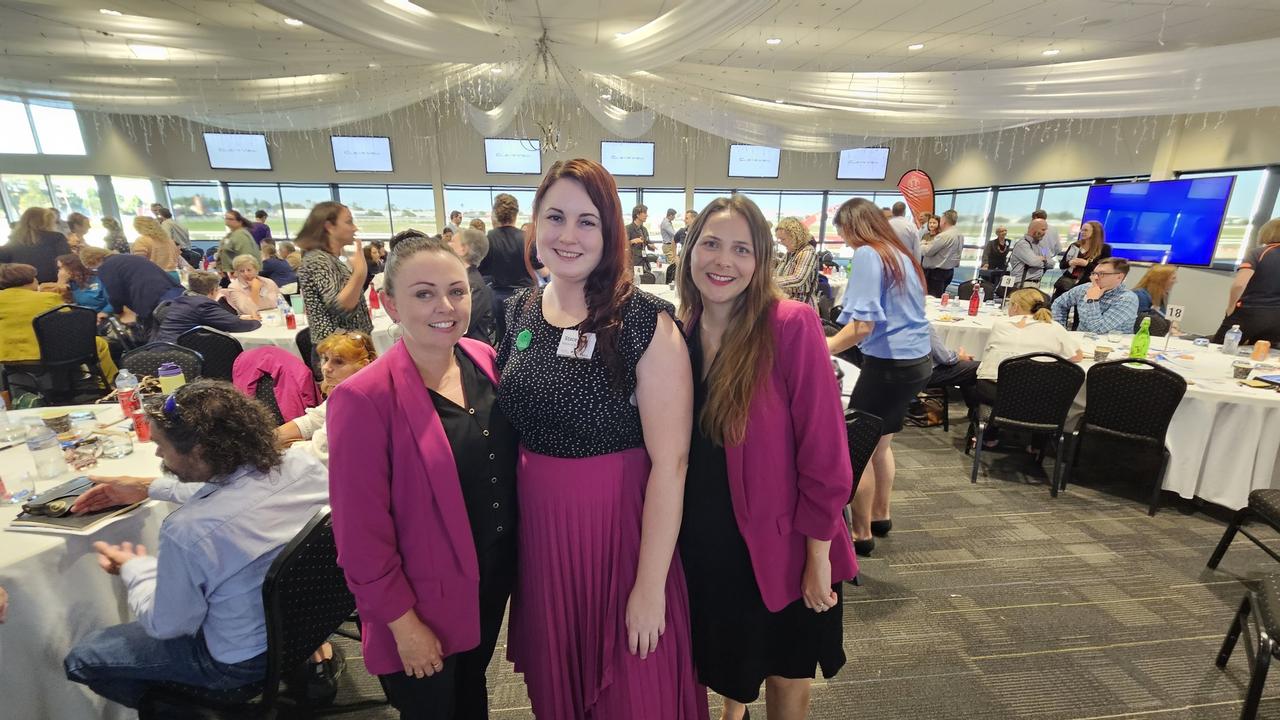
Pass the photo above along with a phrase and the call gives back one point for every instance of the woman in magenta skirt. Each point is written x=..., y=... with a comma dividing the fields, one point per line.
x=595, y=377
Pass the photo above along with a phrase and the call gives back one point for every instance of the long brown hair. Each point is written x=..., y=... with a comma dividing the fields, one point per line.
x=1156, y=283
x=1095, y=241
x=862, y=223
x=313, y=235
x=30, y=224
x=610, y=285
x=747, y=348
x=78, y=273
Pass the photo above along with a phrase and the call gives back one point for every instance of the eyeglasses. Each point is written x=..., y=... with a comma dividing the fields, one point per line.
x=1095, y=274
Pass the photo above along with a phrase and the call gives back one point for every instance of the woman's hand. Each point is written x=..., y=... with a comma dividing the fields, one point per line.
x=816, y=584
x=1077, y=262
x=419, y=648
x=359, y=266
x=646, y=619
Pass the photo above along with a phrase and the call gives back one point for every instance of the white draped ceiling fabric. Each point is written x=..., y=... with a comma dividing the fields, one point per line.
x=361, y=59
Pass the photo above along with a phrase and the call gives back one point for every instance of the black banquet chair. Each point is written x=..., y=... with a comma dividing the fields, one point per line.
x=303, y=341
x=306, y=600
x=147, y=360
x=1263, y=606
x=1264, y=506
x=1132, y=401
x=1034, y=394
x=218, y=349
x=863, y=430
x=67, y=337
x=965, y=291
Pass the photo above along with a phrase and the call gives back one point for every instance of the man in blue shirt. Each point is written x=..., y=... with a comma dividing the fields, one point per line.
x=1102, y=306
x=198, y=600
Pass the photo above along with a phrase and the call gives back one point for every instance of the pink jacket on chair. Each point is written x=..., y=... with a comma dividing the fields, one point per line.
x=404, y=539
x=295, y=385
x=791, y=477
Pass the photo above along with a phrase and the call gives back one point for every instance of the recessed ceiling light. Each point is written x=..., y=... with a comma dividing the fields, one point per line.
x=1050, y=52
x=916, y=46
x=149, y=52
x=374, y=66
x=293, y=22
x=496, y=70
x=773, y=41
x=109, y=11
x=779, y=101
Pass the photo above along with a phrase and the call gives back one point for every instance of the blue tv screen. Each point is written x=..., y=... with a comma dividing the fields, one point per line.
x=1168, y=221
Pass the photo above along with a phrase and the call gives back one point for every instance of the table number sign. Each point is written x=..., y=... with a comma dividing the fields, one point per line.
x=1174, y=315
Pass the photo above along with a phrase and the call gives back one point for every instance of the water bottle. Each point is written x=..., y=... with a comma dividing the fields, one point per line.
x=46, y=451
x=1141, y=340
x=982, y=295
x=127, y=392
x=1231, y=341
x=9, y=431
x=171, y=378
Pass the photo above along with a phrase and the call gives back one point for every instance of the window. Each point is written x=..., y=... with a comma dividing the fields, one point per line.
x=15, y=129
x=1237, y=227
x=831, y=238
x=659, y=201
x=972, y=207
x=1065, y=206
x=134, y=197
x=249, y=199
x=471, y=202
x=806, y=206
x=523, y=196
x=370, y=208
x=1014, y=208
x=198, y=208
x=413, y=207
x=297, y=201
x=79, y=194
x=24, y=191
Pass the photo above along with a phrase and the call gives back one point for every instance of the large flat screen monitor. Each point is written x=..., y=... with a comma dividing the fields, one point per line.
x=753, y=161
x=237, y=151
x=1167, y=221
x=627, y=158
x=863, y=164
x=361, y=154
x=512, y=156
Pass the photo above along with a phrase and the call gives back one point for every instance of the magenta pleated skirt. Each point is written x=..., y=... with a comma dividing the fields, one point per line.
x=579, y=540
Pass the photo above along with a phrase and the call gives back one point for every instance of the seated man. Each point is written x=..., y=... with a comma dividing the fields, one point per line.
x=198, y=599
x=953, y=369
x=1102, y=306
x=198, y=307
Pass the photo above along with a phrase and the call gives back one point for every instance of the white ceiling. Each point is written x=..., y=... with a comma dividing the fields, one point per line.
x=237, y=63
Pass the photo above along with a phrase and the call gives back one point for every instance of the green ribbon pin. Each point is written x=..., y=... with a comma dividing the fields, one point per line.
x=523, y=339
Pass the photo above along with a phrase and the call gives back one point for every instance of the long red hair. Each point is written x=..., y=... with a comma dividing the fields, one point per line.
x=610, y=284
x=861, y=222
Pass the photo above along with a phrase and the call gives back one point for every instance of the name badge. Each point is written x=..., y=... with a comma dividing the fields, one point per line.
x=569, y=345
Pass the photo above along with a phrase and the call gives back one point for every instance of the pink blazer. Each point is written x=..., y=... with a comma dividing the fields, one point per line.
x=295, y=385
x=404, y=540
x=791, y=477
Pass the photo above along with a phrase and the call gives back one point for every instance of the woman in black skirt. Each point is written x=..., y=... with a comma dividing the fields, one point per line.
x=763, y=542
x=884, y=316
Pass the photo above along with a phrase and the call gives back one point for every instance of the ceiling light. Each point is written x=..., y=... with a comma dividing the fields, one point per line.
x=149, y=52
x=916, y=46
x=109, y=11
x=293, y=22
x=408, y=6
x=779, y=101
x=1050, y=52
x=619, y=36
x=496, y=70
x=374, y=66
x=773, y=41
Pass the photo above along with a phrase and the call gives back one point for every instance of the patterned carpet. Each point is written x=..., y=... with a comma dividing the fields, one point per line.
x=996, y=601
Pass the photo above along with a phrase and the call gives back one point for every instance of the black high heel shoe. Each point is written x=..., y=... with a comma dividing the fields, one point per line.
x=864, y=547
x=881, y=528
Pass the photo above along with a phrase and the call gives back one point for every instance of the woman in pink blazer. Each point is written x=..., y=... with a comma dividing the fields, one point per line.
x=422, y=486
x=763, y=540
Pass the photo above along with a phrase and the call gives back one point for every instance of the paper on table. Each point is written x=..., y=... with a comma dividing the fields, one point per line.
x=82, y=525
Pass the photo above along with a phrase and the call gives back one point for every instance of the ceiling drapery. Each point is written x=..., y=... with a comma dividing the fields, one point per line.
x=363, y=59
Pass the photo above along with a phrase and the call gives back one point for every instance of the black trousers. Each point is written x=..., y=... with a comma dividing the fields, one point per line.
x=963, y=374
x=938, y=279
x=1255, y=323
x=459, y=691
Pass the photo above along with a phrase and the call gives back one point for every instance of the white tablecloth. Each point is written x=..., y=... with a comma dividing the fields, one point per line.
x=58, y=594
x=385, y=334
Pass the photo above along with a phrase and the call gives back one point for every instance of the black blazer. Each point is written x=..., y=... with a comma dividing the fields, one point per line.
x=42, y=256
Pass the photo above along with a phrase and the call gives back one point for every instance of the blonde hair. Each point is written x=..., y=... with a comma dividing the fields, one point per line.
x=148, y=227
x=32, y=221
x=1269, y=234
x=92, y=257
x=1156, y=283
x=795, y=230
x=1029, y=301
x=352, y=346
x=243, y=260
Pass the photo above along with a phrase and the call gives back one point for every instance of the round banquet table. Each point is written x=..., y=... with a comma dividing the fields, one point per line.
x=385, y=334
x=57, y=592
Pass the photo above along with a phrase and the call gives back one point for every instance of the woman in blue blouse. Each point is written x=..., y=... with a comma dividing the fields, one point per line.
x=884, y=317
x=82, y=284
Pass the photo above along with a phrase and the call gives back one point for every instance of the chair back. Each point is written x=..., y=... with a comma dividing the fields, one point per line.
x=67, y=336
x=113, y=329
x=1035, y=391
x=303, y=341
x=265, y=392
x=834, y=314
x=1160, y=325
x=863, y=430
x=967, y=287
x=1132, y=399
x=306, y=599
x=648, y=278
x=218, y=349
x=147, y=360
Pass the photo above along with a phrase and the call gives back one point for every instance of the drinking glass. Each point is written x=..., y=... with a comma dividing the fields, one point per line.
x=116, y=445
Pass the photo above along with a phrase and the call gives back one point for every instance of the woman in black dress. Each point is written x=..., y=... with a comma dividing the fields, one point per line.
x=763, y=541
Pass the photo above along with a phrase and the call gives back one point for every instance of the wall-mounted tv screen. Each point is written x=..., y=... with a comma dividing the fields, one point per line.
x=237, y=151
x=1167, y=221
x=627, y=158
x=361, y=154
x=753, y=161
x=513, y=156
x=863, y=164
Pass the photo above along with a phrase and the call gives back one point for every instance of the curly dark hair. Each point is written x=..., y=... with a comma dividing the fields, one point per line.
x=230, y=429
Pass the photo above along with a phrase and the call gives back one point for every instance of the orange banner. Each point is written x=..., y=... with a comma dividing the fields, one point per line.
x=917, y=188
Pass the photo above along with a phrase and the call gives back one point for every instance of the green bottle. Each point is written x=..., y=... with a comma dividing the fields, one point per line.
x=1142, y=340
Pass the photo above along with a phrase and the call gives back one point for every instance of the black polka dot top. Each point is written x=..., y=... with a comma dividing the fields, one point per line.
x=567, y=407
